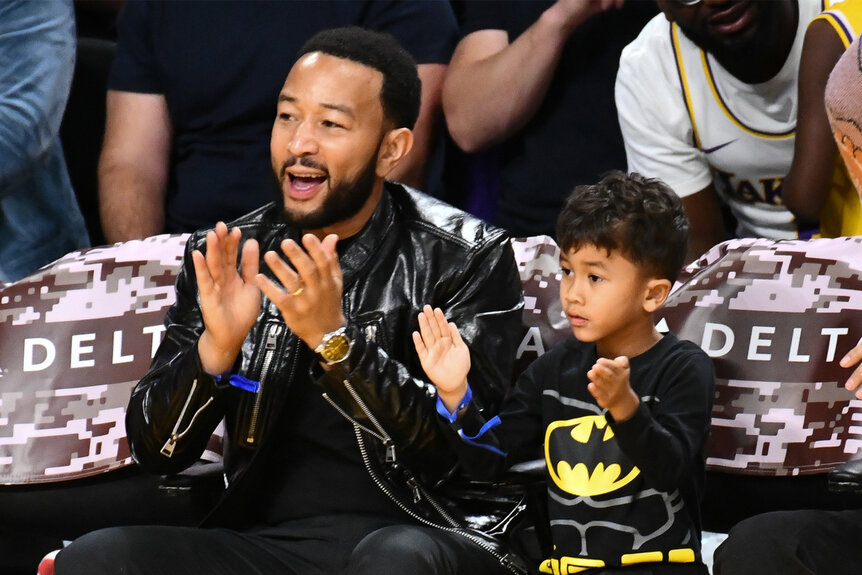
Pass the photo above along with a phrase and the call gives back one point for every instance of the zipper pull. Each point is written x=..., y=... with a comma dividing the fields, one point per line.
x=390, y=453
x=371, y=333
x=414, y=487
x=272, y=337
x=168, y=448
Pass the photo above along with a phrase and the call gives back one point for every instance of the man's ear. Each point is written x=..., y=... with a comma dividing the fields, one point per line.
x=656, y=294
x=396, y=144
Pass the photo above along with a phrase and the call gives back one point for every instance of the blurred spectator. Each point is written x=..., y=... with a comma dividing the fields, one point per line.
x=818, y=187
x=707, y=99
x=97, y=18
x=536, y=79
x=83, y=127
x=844, y=110
x=189, y=108
x=39, y=216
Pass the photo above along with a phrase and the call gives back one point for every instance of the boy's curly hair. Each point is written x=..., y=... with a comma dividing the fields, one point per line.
x=640, y=217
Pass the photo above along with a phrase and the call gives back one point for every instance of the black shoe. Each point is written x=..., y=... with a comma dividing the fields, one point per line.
x=847, y=477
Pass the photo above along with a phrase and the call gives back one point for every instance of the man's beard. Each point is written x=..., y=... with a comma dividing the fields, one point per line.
x=343, y=201
x=733, y=51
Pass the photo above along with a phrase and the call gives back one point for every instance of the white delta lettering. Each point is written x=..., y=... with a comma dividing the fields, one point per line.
x=532, y=342
x=40, y=353
x=719, y=339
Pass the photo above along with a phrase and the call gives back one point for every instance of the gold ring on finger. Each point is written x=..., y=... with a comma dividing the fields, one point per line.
x=298, y=291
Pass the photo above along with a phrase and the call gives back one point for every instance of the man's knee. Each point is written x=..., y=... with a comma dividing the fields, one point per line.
x=96, y=553
x=395, y=549
x=756, y=544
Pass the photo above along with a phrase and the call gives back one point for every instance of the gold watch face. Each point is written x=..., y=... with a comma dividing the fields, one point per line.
x=335, y=348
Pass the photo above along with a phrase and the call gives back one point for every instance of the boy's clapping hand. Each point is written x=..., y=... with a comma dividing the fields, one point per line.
x=609, y=384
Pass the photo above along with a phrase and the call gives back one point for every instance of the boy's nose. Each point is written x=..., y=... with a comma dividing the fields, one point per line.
x=573, y=293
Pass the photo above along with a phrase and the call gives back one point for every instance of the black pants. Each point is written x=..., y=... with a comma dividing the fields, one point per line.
x=793, y=543
x=331, y=545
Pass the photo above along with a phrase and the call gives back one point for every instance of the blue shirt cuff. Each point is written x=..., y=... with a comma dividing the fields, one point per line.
x=238, y=381
x=465, y=401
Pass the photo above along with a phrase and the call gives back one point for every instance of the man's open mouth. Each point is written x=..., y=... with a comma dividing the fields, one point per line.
x=304, y=185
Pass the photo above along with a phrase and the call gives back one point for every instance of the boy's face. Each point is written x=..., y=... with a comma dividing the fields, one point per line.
x=603, y=295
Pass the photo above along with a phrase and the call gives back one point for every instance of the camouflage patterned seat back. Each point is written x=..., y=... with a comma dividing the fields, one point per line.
x=75, y=337
x=775, y=316
x=545, y=325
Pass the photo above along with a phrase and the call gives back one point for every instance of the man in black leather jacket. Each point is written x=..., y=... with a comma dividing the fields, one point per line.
x=334, y=456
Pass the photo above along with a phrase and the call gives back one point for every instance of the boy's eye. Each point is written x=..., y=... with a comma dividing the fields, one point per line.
x=594, y=278
x=566, y=271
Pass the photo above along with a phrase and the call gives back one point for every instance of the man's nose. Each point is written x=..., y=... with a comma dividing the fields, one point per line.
x=302, y=142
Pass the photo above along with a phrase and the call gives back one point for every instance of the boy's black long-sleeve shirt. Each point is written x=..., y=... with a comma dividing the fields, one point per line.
x=619, y=492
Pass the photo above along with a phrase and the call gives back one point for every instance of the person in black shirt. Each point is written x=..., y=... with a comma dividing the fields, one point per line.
x=292, y=326
x=190, y=101
x=529, y=95
x=623, y=411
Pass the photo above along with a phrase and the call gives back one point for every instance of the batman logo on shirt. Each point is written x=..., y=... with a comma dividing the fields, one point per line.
x=583, y=459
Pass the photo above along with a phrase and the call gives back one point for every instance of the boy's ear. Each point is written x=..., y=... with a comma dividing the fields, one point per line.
x=396, y=144
x=656, y=294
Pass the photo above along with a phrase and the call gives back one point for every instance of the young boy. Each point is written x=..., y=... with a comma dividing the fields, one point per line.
x=623, y=412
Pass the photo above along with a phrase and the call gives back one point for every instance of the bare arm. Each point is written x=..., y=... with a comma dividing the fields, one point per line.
x=807, y=185
x=707, y=224
x=133, y=167
x=411, y=170
x=493, y=87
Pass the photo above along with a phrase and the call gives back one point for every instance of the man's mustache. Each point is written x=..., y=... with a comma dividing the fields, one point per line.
x=304, y=162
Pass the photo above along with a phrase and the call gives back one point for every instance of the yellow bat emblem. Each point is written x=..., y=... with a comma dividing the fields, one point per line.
x=584, y=480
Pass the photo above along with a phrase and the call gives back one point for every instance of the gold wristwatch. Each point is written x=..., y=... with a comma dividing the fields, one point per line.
x=334, y=346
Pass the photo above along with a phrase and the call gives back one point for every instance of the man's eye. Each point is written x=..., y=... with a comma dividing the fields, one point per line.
x=330, y=124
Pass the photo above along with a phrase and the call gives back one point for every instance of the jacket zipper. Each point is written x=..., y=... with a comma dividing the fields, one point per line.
x=359, y=425
x=269, y=352
x=169, y=446
x=418, y=491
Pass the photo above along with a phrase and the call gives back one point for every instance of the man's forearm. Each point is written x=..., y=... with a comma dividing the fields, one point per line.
x=131, y=207
x=487, y=100
x=134, y=165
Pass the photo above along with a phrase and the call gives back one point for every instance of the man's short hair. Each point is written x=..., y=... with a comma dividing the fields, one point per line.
x=402, y=89
x=642, y=218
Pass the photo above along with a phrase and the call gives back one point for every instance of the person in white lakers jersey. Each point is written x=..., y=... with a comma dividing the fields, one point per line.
x=707, y=101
